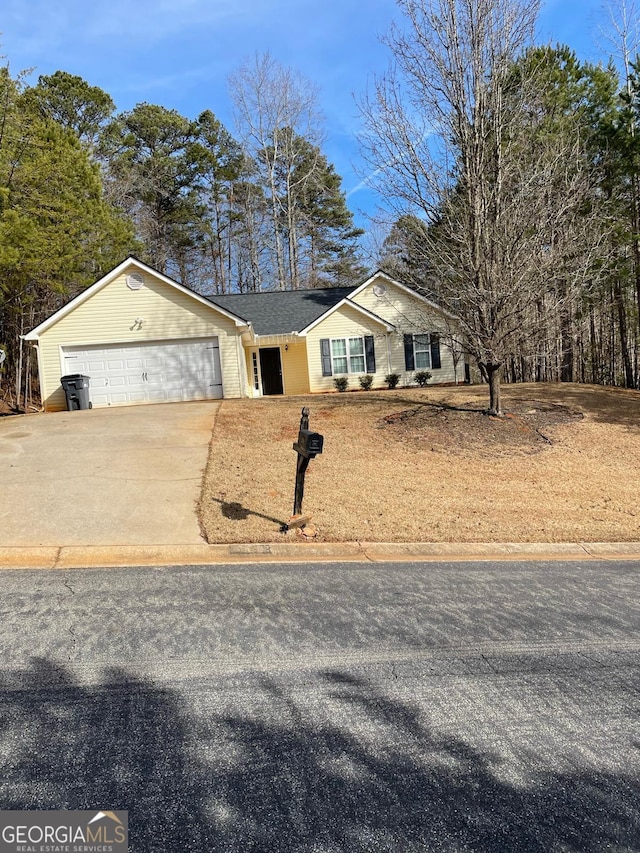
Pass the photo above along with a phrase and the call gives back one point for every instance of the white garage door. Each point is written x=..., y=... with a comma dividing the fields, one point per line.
x=148, y=373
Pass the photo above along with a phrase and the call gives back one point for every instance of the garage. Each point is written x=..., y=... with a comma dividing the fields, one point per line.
x=141, y=337
x=150, y=372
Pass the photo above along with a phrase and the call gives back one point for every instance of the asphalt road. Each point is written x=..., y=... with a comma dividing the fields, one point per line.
x=337, y=707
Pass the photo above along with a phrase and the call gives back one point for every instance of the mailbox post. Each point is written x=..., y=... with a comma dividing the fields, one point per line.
x=308, y=446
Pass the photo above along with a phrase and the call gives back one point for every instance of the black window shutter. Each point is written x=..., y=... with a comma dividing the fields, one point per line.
x=325, y=355
x=370, y=352
x=435, y=350
x=409, y=361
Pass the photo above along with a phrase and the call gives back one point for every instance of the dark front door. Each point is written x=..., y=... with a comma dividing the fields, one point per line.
x=271, y=371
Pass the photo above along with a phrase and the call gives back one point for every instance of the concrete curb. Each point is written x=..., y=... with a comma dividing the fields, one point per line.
x=90, y=556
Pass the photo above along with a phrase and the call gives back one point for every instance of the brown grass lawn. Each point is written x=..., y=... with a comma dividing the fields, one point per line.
x=429, y=466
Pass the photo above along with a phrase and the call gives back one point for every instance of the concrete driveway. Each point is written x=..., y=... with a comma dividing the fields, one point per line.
x=123, y=476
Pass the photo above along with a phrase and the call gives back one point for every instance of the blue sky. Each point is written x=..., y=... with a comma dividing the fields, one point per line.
x=178, y=53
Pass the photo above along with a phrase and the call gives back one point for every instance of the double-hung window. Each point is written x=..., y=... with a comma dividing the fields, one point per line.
x=347, y=355
x=422, y=352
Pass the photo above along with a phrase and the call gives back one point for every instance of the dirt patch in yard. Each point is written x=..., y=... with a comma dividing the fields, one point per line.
x=460, y=429
x=429, y=465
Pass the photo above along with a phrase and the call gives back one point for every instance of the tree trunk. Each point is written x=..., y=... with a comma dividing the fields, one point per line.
x=292, y=236
x=19, y=364
x=294, y=272
x=541, y=361
x=493, y=374
x=622, y=325
x=277, y=235
x=219, y=260
x=566, y=343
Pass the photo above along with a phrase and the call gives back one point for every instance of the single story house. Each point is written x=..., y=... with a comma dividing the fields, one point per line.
x=142, y=337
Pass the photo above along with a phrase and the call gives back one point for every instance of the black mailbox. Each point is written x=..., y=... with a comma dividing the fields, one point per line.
x=309, y=443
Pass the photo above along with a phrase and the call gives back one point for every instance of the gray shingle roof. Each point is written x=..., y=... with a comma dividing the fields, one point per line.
x=280, y=312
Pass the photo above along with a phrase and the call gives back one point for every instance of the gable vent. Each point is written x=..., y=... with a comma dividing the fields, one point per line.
x=379, y=289
x=134, y=281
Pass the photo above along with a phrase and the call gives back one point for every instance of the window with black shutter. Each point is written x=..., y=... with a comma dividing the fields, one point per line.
x=325, y=355
x=409, y=361
x=370, y=351
x=422, y=351
x=435, y=351
x=347, y=355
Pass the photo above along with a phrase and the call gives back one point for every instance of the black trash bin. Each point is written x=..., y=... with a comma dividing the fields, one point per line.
x=76, y=389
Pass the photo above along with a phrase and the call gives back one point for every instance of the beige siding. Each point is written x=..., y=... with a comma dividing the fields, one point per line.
x=346, y=322
x=108, y=315
x=410, y=315
x=295, y=369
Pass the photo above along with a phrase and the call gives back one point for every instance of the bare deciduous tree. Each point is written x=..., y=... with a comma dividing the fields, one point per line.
x=274, y=108
x=455, y=134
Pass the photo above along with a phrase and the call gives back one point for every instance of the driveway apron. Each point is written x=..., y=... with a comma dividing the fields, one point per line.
x=121, y=476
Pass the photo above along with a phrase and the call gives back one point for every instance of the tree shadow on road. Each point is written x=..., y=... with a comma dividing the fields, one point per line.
x=336, y=764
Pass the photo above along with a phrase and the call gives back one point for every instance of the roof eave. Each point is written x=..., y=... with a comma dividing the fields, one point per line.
x=406, y=289
x=347, y=301
x=34, y=334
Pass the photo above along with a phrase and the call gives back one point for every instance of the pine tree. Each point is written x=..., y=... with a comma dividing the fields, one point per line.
x=151, y=177
x=57, y=233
